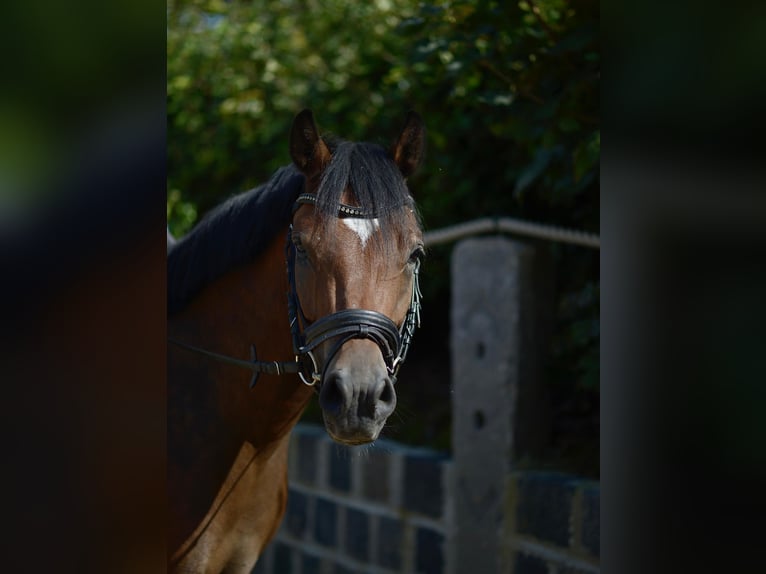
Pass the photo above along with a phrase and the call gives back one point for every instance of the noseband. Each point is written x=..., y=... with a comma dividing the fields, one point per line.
x=340, y=327
x=347, y=324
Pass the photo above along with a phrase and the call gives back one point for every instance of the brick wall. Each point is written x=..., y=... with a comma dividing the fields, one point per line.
x=377, y=509
x=555, y=524
x=387, y=509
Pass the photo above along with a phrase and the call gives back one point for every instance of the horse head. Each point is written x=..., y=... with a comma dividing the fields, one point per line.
x=357, y=245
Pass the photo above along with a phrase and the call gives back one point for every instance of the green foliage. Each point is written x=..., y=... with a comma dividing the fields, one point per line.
x=509, y=93
x=239, y=72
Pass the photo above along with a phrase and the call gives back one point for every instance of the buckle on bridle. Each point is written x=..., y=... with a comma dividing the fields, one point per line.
x=315, y=375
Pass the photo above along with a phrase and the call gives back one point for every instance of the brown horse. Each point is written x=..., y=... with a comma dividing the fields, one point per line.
x=316, y=269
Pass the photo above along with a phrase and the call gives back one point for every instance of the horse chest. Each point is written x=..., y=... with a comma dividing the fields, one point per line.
x=244, y=516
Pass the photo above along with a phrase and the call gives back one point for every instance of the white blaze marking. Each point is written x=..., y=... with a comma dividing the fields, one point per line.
x=364, y=228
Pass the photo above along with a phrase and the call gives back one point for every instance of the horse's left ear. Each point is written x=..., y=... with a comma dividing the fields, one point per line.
x=309, y=152
x=408, y=149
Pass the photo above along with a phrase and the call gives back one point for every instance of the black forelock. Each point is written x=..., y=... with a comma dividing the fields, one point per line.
x=377, y=184
x=368, y=170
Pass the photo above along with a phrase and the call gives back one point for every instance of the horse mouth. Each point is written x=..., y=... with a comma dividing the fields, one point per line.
x=352, y=442
x=352, y=438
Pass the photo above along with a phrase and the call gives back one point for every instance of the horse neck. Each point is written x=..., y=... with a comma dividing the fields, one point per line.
x=247, y=306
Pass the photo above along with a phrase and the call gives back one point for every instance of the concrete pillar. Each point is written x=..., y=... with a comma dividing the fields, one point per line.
x=499, y=331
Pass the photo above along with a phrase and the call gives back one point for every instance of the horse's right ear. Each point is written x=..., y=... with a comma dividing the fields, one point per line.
x=409, y=148
x=309, y=152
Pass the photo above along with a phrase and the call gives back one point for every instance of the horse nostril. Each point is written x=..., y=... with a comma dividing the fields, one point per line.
x=387, y=394
x=333, y=395
x=387, y=398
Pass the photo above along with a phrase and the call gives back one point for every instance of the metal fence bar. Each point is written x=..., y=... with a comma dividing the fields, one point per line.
x=513, y=226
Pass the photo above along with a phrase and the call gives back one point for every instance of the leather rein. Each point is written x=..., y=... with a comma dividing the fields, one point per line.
x=344, y=325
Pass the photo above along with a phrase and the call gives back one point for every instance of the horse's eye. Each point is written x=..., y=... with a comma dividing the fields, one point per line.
x=299, y=249
x=417, y=255
x=301, y=255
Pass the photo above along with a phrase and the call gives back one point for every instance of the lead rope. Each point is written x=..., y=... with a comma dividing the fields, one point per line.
x=258, y=367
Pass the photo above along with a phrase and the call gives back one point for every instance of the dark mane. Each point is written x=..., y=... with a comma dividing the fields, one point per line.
x=232, y=234
x=237, y=231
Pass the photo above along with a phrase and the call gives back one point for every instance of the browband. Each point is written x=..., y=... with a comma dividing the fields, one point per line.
x=344, y=210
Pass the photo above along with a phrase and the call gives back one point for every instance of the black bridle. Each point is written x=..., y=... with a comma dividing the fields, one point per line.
x=342, y=326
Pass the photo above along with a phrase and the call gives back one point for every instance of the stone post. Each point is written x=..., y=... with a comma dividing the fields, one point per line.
x=501, y=301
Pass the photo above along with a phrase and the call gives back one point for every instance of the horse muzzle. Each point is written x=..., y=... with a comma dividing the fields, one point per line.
x=357, y=393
